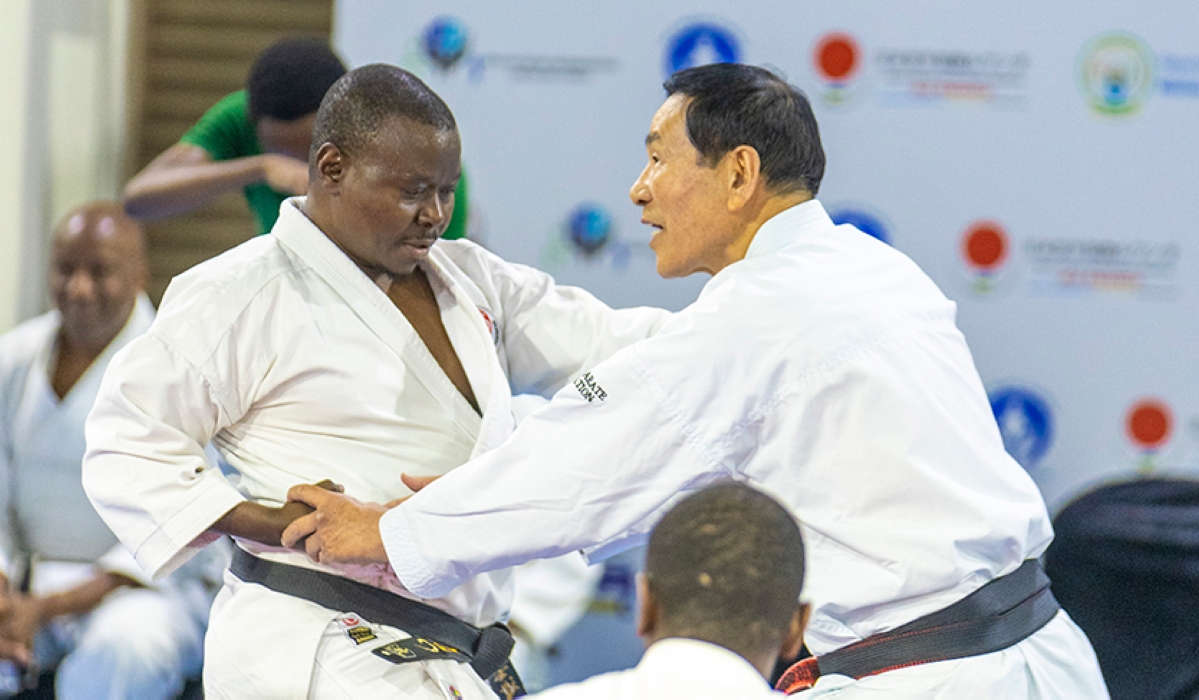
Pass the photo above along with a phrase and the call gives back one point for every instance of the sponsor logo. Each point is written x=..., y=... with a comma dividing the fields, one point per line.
x=1025, y=422
x=1178, y=75
x=589, y=227
x=590, y=389
x=1074, y=267
x=1115, y=73
x=837, y=59
x=445, y=42
x=699, y=44
x=616, y=593
x=920, y=76
x=1148, y=425
x=984, y=248
x=865, y=221
x=588, y=234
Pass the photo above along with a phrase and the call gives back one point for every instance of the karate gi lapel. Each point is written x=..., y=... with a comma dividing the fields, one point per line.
x=478, y=354
x=300, y=236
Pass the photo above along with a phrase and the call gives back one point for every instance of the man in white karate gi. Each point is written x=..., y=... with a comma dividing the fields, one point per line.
x=818, y=364
x=89, y=607
x=707, y=635
x=350, y=345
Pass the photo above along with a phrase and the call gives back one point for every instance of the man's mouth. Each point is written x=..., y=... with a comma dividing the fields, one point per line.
x=656, y=226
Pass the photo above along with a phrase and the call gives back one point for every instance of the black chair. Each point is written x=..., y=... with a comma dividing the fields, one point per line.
x=1125, y=566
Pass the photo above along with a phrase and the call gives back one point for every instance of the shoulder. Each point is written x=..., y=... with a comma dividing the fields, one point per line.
x=203, y=304
x=225, y=130
x=617, y=684
x=235, y=104
x=489, y=272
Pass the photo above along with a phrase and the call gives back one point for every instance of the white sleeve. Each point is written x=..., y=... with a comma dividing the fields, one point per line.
x=145, y=469
x=554, y=332
x=576, y=474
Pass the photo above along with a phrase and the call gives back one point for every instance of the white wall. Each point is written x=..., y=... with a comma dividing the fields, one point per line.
x=62, y=70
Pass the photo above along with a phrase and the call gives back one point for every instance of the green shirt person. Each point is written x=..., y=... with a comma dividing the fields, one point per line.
x=256, y=140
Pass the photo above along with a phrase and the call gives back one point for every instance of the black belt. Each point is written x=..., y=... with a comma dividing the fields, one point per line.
x=998, y=615
x=487, y=649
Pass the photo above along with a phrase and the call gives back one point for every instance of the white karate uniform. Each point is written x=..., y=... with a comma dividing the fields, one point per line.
x=824, y=368
x=299, y=368
x=138, y=642
x=674, y=668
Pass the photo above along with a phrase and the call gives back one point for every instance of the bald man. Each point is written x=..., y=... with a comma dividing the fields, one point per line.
x=88, y=608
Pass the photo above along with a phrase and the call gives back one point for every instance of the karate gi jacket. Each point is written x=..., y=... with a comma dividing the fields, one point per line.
x=824, y=368
x=687, y=669
x=298, y=368
x=46, y=514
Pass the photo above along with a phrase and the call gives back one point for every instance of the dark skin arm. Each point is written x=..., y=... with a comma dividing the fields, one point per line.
x=264, y=524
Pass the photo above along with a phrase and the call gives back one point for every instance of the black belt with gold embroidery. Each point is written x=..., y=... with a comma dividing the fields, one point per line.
x=487, y=649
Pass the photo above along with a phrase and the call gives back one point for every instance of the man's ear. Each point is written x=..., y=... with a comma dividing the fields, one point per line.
x=793, y=641
x=647, y=611
x=330, y=166
x=743, y=175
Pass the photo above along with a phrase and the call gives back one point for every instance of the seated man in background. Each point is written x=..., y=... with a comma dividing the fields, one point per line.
x=88, y=600
x=256, y=139
x=717, y=602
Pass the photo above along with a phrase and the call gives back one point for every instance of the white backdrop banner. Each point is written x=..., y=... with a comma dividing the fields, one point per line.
x=1038, y=160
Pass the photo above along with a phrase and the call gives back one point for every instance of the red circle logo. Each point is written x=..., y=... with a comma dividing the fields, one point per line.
x=836, y=57
x=985, y=246
x=1149, y=423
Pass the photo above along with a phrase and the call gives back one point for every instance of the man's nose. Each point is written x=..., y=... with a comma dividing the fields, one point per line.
x=639, y=192
x=81, y=285
x=434, y=211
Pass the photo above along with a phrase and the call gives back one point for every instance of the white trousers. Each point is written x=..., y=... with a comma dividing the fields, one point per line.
x=345, y=667
x=1056, y=663
x=139, y=643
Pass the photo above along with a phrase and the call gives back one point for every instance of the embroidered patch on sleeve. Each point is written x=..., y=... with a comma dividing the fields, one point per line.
x=590, y=389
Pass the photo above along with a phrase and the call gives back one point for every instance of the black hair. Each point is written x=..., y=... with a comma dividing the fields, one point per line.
x=289, y=79
x=355, y=108
x=732, y=104
x=726, y=566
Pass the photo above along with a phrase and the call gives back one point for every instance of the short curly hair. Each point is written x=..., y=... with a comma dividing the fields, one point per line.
x=290, y=78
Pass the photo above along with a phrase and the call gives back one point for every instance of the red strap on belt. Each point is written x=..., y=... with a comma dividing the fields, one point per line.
x=801, y=676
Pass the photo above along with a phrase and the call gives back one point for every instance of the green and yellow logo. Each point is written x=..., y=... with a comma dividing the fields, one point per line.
x=1115, y=73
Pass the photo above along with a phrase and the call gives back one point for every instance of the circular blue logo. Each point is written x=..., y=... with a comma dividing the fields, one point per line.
x=701, y=44
x=590, y=227
x=1025, y=422
x=863, y=221
x=445, y=41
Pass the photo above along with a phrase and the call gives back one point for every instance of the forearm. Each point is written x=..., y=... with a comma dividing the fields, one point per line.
x=82, y=598
x=166, y=190
x=259, y=523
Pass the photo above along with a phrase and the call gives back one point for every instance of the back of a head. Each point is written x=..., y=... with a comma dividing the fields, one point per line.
x=359, y=104
x=726, y=566
x=289, y=78
x=732, y=104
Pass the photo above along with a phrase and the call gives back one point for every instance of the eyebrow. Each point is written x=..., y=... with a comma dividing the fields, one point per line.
x=652, y=137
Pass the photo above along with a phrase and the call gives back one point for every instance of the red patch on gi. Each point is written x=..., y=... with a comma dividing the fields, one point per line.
x=492, y=329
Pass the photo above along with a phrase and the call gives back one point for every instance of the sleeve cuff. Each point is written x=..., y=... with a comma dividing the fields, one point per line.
x=119, y=560
x=411, y=568
x=178, y=540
